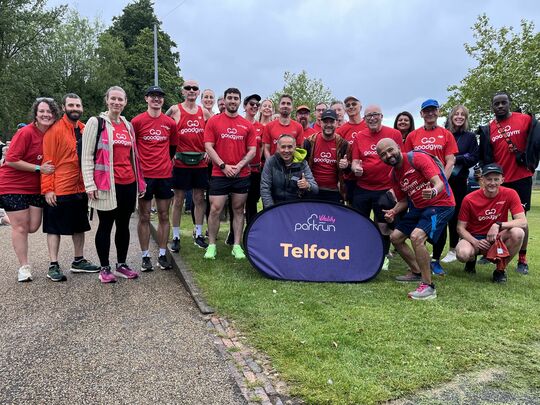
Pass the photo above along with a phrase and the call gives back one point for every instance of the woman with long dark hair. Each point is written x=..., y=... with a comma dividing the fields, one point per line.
x=404, y=123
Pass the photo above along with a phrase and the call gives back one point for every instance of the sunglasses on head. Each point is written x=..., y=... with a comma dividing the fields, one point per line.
x=44, y=99
x=188, y=88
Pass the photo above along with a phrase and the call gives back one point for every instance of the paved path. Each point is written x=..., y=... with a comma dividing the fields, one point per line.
x=136, y=341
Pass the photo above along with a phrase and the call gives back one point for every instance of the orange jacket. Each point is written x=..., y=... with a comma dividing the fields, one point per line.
x=60, y=147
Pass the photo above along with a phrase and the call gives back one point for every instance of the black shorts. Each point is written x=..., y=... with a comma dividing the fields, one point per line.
x=70, y=215
x=188, y=179
x=366, y=200
x=159, y=188
x=524, y=189
x=221, y=185
x=19, y=202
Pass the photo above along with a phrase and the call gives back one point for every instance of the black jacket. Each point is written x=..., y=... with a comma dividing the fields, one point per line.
x=467, y=155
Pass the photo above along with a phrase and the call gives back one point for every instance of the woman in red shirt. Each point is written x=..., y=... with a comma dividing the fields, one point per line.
x=20, y=188
x=404, y=123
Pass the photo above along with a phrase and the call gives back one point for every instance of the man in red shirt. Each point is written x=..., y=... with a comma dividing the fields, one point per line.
x=349, y=131
x=372, y=175
x=484, y=217
x=319, y=109
x=512, y=140
x=327, y=155
x=230, y=142
x=437, y=141
x=339, y=108
x=190, y=163
x=417, y=181
x=302, y=116
x=283, y=125
x=155, y=134
x=66, y=212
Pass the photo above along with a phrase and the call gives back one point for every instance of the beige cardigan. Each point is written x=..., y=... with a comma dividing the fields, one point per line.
x=106, y=200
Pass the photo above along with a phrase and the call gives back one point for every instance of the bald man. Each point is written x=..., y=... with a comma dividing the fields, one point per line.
x=420, y=184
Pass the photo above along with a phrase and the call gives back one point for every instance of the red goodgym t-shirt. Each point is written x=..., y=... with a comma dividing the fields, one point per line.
x=255, y=164
x=376, y=172
x=324, y=167
x=516, y=127
x=410, y=182
x=274, y=129
x=190, y=136
x=122, y=145
x=26, y=145
x=438, y=141
x=231, y=136
x=480, y=211
x=154, y=135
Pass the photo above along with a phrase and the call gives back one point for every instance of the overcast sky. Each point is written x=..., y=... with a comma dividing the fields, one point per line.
x=392, y=53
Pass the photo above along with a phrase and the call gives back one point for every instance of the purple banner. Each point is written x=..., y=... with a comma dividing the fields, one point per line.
x=314, y=241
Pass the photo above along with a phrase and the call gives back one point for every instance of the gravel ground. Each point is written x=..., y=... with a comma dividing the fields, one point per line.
x=136, y=341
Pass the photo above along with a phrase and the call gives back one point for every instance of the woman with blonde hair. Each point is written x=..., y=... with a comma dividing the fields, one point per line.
x=266, y=112
x=113, y=180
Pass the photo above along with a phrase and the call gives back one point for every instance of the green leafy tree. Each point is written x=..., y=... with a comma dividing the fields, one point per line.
x=304, y=90
x=507, y=61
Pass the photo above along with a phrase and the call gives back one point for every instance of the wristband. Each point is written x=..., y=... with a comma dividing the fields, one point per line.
x=37, y=169
x=434, y=192
x=500, y=225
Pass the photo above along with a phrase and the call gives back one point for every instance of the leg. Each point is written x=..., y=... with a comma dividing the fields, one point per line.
x=254, y=194
x=217, y=202
x=126, y=197
x=53, y=245
x=418, y=240
x=398, y=240
x=199, y=206
x=178, y=203
x=103, y=235
x=513, y=239
x=238, y=202
x=143, y=226
x=438, y=246
x=78, y=244
x=20, y=227
x=465, y=252
x=164, y=225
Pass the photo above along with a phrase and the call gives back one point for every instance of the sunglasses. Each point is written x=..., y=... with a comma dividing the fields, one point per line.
x=189, y=88
x=44, y=99
x=351, y=104
x=254, y=104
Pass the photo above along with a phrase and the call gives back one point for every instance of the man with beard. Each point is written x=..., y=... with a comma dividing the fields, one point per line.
x=66, y=211
x=230, y=142
x=419, y=182
x=327, y=155
x=302, y=116
x=283, y=125
x=190, y=170
x=512, y=140
x=156, y=138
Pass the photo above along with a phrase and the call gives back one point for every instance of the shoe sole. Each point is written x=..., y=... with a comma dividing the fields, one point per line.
x=84, y=271
x=24, y=280
x=164, y=268
x=106, y=282
x=416, y=280
x=199, y=246
x=118, y=274
x=57, y=280
x=429, y=297
x=146, y=270
x=210, y=257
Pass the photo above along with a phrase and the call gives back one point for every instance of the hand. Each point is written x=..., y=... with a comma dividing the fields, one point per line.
x=303, y=183
x=389, y=215
x=50, y=198
x=358, y=170
x=92, y=195
x=492, y=233
x=142, y=193
x=343, y=163
x=483, y=245
x=47, y=168
x=427, y=193
x=229, y=171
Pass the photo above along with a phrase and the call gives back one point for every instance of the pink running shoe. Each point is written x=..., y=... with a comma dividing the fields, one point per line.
x=105, y=275
x=122, y=270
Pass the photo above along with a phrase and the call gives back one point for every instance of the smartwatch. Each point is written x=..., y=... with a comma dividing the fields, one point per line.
x=37, y=169
x=222, y=166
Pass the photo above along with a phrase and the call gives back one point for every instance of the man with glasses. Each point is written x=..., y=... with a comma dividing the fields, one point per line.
x=319, y=109
x=302, y=116
x=436, y=141
x=230, y=142
x=66, y=211
x=349, y=131
x=190, y=163
x=283, y=125
x=155, y=134
x=371, y=173
x=327, y=155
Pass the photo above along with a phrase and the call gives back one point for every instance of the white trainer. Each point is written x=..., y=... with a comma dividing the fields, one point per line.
x=24, y=273
x=450, y=256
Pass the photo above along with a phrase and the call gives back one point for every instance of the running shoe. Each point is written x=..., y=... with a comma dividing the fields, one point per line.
x=122, y=270
x=470, y=267
x=522, y=268
x=146, y=264
x=409, y=277
x=200, y=242
x=230, y=239
x=106, y=276
x=24, y=273
x=163, y=263
x=55, y=274
x=84, y=266
x=499, y=276
x=238, y=252
x=436, y=268
x=175, y=245
x=450, y=256
x=423, y=292
x=386, y=264
x=211, y=252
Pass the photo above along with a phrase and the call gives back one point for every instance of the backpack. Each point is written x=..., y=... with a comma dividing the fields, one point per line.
x=437, y=161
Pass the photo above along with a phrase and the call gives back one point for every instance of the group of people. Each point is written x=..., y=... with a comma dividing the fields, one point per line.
x=413, y=180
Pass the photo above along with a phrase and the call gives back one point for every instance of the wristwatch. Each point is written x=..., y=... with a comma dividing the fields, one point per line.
x=37, y=169
x=222, y=166
x=500, y=224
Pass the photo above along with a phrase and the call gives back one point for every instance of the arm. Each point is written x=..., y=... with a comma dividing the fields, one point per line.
x=437, y=186
x=266, y=151
x=390, y=215
x=357, y=168
x=174, y=113
x=470, y=157
x=246, y=159
x=308, y=175
x=266, y=184
x=87, y=155
x=449, y=161
x=478, y=245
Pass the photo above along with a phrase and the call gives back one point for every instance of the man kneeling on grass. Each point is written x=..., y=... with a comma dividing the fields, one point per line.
x=484, y=217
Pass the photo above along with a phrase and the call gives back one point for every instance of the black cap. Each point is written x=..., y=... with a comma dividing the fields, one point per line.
x=329, y=113
x=154, y=90
x=255, y=96
x=492, y=168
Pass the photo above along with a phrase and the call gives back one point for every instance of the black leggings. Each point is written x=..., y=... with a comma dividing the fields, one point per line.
x=254, y=194
x=126, y=197
x=459, y=188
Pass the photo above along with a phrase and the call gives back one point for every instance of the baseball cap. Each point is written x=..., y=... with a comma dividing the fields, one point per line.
x=329, y=114
x=350, y=98
x=302, y=107
x=429, y=103
x=492, y=168
x=255, y=96
x=154, y=90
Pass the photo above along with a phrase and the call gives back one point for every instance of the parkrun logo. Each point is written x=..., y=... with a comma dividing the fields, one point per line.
x=317, y=223
x=315, y=252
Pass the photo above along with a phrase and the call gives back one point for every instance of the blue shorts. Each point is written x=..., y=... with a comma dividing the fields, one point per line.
x=432, y=220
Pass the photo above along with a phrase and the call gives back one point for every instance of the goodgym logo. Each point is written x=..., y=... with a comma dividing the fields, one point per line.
x=431, y=139
x=193, y=123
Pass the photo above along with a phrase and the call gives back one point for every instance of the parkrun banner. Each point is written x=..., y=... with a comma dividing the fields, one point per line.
x=314, y=241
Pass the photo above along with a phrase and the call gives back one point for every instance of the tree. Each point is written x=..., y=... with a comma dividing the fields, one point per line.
x=304, y=90
x=507, y=61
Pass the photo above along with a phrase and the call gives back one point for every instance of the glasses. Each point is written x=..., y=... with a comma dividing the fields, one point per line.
x=372, y=115
x=254, y=104
x=189, y=88
x=44, y=99
x=155, y=95
x=351, y=104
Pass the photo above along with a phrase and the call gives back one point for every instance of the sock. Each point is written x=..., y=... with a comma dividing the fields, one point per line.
x=53, y=264
x=198, y=230
x=145, y=253
x=77, y=259
x=432, y=285
x=523, y=256
x=176, y=232
x=162, y=252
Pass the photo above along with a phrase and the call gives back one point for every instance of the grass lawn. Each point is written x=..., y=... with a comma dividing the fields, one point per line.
x=366, y=343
